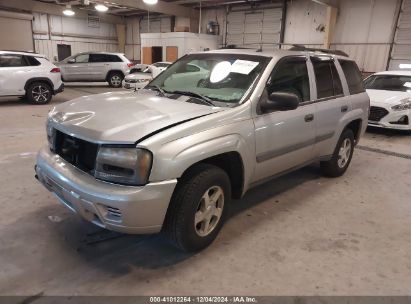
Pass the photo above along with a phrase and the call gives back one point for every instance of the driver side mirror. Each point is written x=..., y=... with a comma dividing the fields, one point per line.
x=72, y=60
x=280, y=101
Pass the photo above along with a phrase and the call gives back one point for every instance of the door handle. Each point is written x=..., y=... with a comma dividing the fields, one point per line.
x=344, y=109
x=309, y=117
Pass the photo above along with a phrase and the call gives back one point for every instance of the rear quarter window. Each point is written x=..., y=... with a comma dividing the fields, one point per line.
x=353, y=75
x=32, y=61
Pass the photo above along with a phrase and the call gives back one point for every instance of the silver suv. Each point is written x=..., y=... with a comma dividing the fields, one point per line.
x=95, y=67
x=171, y=156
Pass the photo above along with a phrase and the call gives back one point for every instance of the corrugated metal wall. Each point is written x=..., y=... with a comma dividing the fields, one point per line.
x=136, y=26
x=364, y=29
x=51, y=30
x=401, y=51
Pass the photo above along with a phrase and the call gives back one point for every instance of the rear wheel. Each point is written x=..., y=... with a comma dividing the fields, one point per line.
x=342, y=155
x=198, y=208
x=115, y=79
x=39, y=93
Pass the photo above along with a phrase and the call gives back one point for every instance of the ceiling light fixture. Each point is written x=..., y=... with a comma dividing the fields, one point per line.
x=68, y=11
x=151, y=2
x=101, y=8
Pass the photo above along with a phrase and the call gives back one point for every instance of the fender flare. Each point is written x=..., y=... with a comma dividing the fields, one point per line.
x=40, y=79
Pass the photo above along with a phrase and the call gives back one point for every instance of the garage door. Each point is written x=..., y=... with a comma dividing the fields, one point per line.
x=401, y=51
x=254, y=28
x=15, y=31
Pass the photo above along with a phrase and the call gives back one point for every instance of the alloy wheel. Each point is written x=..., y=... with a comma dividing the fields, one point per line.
x=116, y=80
x=40, y=93
x=344, y=153
x=209, y=211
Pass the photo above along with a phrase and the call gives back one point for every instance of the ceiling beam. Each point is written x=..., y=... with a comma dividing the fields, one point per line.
x=54, y=9
x=162, y=7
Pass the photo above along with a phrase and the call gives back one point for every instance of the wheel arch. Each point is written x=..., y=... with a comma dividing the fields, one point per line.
x=232, y=164
x=113, y=71
x=39, y=79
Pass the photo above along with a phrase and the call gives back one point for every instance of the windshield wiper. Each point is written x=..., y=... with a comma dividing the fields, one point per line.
x=156, y=88
x=193, y=94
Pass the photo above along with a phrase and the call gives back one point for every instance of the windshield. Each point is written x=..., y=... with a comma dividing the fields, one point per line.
x=217, y=77
x=389, y=83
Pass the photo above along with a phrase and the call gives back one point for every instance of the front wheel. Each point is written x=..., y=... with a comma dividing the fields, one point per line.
x=341, y=158
x=115, y=79
x=198, y=208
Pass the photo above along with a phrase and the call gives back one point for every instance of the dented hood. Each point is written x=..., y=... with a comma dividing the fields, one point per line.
x=123, y=117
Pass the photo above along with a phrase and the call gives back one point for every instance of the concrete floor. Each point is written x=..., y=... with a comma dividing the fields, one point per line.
x=301, y=234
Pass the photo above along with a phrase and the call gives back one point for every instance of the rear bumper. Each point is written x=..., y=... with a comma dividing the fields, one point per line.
x=59, y=89
x=126, y=209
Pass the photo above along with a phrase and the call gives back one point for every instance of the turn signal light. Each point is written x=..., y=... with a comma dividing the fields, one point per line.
x=55, y=70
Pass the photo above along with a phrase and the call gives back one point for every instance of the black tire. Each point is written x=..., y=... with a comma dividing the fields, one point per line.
x=39, y=93
x=334, y=168
x=115, y=79
x=188, y=199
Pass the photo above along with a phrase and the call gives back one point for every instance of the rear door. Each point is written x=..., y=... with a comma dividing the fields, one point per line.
x=285, y=139
x=332, y=104
x=99, y=66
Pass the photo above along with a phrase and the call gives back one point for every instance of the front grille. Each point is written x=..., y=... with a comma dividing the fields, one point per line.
x=80, y=153
x=377, y=113
x=130, y=80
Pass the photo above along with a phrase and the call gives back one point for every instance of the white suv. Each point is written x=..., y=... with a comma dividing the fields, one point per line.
x=29, y=75
x=96, y=66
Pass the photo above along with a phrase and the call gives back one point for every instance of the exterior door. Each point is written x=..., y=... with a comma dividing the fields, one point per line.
x=78, y=70
x=285, y=139
x=98, y=66
x=332, y=105
x=171, y=53
x=147, y=55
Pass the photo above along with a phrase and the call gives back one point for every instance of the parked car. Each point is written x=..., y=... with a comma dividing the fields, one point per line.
x=29, y=75
x=170, y=157
x=95, y=67
x=141, y=75
x=390, y=97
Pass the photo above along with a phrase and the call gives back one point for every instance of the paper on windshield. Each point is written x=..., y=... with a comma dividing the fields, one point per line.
x=243, y=66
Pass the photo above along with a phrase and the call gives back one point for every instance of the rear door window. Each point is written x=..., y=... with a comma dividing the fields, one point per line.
x=327, y=79
x=353, y=75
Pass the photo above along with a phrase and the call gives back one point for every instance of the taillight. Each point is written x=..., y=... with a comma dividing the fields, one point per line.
x=55, y=70
x=130, y=65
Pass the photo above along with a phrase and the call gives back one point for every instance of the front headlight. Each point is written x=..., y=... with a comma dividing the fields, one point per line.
x=50, y=134
x=128, y=166
x=405, y=104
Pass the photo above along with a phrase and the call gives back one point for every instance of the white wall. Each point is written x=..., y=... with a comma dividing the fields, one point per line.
x=363, y=29
x=50, y=30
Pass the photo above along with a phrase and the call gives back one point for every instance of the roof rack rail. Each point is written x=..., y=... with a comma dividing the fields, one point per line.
x=17, y=51
x=298, y=47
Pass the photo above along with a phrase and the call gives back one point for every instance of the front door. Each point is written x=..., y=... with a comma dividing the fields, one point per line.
x=285, y=139
x=77, y=70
